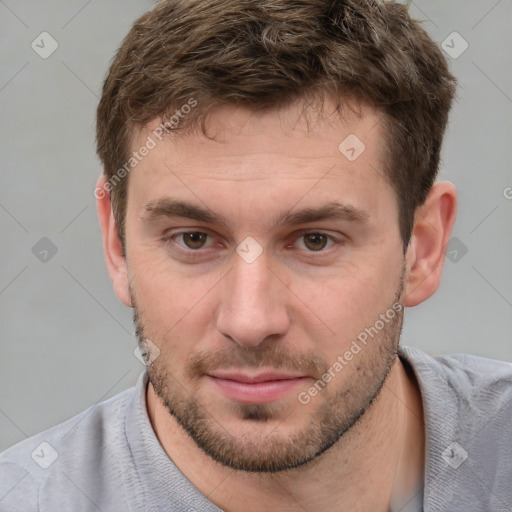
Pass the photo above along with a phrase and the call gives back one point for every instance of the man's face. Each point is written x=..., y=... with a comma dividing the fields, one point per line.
x=246, y=326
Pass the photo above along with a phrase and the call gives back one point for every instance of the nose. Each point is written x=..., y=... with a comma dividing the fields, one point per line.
x=253, y=303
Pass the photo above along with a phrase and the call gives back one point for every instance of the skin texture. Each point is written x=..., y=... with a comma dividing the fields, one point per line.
x=359, y=442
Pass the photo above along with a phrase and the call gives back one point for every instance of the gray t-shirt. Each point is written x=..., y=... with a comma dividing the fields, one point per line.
x=108, y=458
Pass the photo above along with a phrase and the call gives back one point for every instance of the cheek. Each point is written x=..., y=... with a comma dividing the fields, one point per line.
x=172, y=305
x=348, y=304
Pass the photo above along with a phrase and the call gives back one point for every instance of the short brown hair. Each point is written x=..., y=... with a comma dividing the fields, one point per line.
x=267, y=53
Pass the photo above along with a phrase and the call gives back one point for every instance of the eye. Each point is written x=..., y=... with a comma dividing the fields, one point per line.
x=192, y=239
x=309, y=241
x=315, y=242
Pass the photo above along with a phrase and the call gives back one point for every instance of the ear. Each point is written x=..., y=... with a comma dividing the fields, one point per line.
x=115, y=259
x=433, y=224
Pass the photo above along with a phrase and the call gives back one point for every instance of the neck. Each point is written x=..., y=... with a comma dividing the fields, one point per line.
x=378, y=462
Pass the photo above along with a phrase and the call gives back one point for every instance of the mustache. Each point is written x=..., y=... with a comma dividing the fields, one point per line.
x=273, y=356
x=269, y=353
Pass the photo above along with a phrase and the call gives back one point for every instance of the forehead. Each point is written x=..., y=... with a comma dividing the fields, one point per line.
x=322, y=125
x=260, y=155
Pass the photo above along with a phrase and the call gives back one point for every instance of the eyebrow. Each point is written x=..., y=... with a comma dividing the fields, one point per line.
x=168, y=207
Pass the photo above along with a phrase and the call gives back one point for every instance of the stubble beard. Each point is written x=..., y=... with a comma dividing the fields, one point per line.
x=331, y=418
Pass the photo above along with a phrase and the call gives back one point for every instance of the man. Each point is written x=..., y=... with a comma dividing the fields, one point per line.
x=269, y=208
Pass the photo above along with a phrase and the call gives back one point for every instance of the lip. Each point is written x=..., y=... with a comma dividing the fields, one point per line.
x=258, y=388
x=256, y=378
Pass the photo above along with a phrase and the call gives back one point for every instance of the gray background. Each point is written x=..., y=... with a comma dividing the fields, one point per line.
x=65, y=340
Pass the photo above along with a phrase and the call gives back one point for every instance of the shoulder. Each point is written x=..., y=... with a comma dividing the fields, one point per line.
x=84, y=441
x=476, y=381
x=467, y=403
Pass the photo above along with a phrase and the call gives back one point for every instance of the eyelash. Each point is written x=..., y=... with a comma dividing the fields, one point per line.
x=198, y=253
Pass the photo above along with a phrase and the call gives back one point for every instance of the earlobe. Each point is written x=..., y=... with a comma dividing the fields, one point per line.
x=112, y=247
x=433, y=225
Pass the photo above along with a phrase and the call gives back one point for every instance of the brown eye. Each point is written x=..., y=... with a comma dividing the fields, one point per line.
x=194, y=240
x=315, y=241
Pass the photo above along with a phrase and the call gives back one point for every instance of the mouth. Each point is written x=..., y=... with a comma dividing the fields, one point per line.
x=263, y=387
